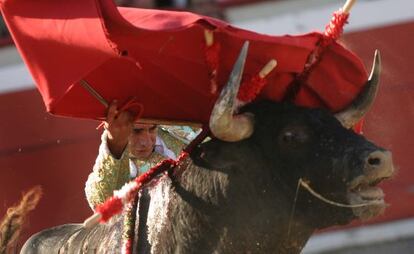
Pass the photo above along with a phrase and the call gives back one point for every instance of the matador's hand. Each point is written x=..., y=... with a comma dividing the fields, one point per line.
x=119, y=126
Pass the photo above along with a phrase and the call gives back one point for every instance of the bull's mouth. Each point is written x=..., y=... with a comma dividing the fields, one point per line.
x=366, y=197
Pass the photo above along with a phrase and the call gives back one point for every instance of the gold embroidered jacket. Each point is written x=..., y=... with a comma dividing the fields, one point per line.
x=111, y=174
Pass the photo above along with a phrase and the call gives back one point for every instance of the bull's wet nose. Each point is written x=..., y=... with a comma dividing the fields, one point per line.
x=380, y=162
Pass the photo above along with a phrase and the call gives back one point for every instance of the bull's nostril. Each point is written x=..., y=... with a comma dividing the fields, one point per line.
x=374, y=161
x=378, y=164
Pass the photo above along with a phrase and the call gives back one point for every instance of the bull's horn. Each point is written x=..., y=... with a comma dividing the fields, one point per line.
x=223, y=124
x=353, y=114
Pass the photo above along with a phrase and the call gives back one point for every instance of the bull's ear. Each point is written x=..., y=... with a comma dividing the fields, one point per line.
x=360, y=106
x=224, y=125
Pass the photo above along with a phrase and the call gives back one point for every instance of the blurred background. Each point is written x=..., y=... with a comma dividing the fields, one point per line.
x=58, y=153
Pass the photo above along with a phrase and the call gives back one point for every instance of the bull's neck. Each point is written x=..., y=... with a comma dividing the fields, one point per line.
x=231, y=209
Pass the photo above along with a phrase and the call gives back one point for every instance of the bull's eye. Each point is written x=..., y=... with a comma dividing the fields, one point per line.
x=288, y=137
x=294, y=136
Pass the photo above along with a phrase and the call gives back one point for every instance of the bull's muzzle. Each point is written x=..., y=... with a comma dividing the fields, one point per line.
x=363, y=189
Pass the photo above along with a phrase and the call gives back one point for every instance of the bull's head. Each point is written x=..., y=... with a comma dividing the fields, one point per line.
x=287, y=143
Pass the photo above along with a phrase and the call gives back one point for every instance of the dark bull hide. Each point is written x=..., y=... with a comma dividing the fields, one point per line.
x=241, y=196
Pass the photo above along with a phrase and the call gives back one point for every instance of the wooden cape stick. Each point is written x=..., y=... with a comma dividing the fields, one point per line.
x=104, y=102
x=94, y=93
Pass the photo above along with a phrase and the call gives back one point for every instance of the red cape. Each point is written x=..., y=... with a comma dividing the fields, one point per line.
x=159, y=57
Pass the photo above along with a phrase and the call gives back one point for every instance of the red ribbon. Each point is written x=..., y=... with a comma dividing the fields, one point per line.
x=250, y=89
x=335, y=28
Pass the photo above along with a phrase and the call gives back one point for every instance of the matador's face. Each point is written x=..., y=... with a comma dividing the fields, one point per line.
x=142, y=140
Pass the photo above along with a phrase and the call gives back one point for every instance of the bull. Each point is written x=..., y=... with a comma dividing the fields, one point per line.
x=238, y=192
